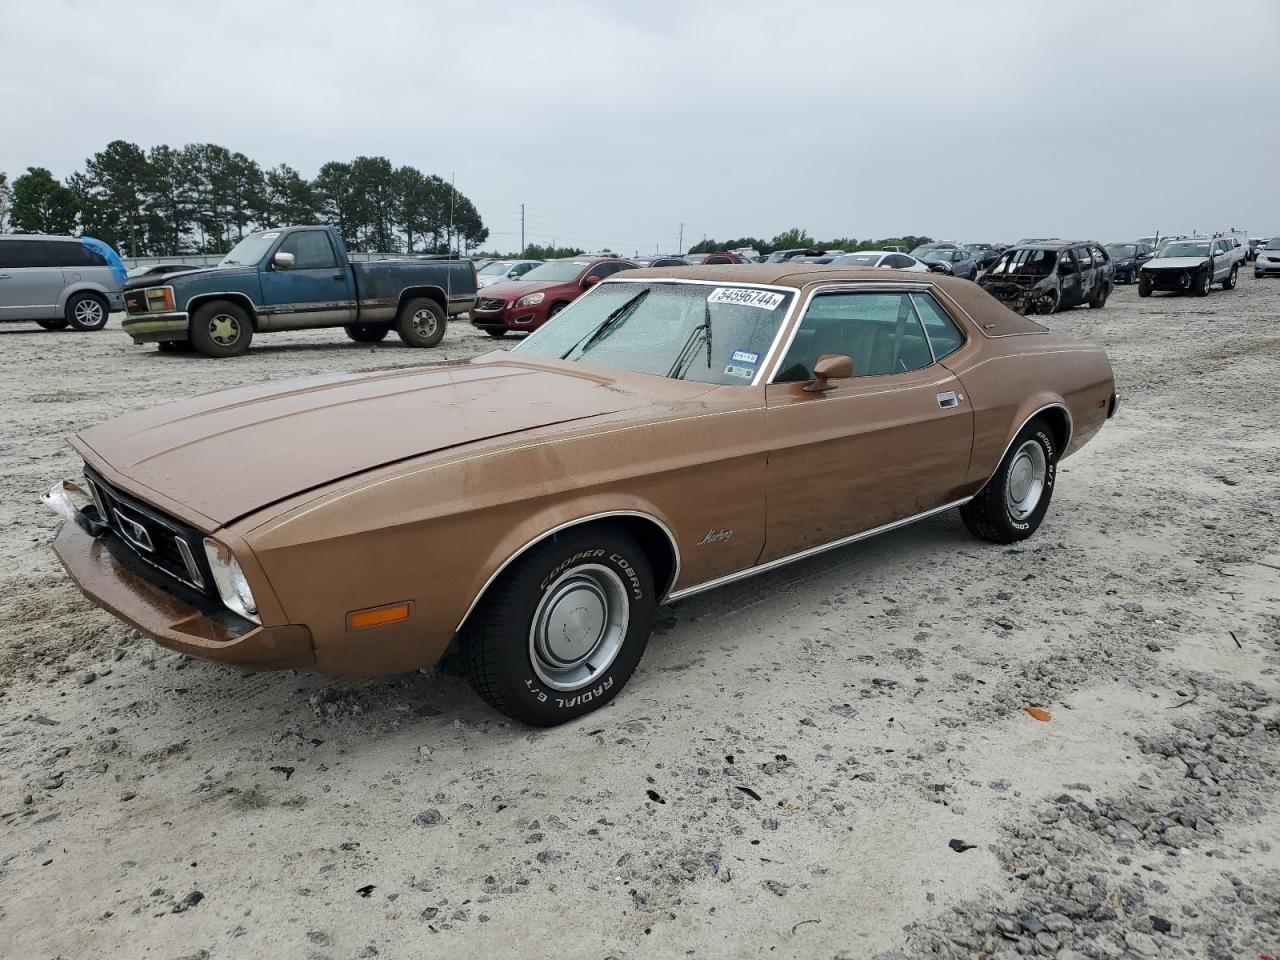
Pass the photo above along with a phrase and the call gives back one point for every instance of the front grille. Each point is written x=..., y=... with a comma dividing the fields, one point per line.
x=135, y=301
x=491, y=304
x=160, y=541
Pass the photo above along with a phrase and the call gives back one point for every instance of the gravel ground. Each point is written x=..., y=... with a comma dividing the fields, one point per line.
x=832, y=760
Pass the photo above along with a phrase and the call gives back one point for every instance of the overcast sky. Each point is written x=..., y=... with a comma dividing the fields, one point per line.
x=616, y=122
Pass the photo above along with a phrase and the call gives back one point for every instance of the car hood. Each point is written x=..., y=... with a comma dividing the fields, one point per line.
x=514, y=289
x=1176, y=263
x=224, y=455
x=220, y=272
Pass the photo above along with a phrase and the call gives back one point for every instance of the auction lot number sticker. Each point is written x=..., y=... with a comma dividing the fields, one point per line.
x=764, y=299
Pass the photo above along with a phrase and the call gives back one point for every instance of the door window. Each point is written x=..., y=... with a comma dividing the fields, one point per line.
x=944, y=336
x=897, y=261
x=24, y=253
x=70, y=253
x=1082, y=255
x=311, y=250
x=1066, y=262
x=880, y=332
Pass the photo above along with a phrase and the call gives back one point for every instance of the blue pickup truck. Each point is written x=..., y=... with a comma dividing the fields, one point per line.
x=297, y=278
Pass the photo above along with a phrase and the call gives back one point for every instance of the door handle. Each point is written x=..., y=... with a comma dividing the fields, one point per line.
x=339, y=276
x=949, y=399
x=5, y=276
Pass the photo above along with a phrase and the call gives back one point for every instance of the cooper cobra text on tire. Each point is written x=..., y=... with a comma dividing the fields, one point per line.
x=1014, y=501
x=561, y=631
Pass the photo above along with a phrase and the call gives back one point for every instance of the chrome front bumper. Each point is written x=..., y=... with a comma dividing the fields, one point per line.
x=155, y=327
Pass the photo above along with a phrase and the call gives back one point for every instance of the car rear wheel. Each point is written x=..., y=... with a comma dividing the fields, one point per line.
x=562, y=630
x=86, y=312
x=1230, y=282
x=367, y=332
x=221, y=329
x=53, y=324
x=1099, y=299
x=420, y=323
x=1014, y=501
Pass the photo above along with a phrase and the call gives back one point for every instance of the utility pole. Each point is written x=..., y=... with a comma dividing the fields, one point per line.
x=680, y=241
x=522, y=246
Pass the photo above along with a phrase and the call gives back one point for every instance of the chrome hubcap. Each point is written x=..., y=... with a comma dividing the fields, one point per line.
x=578, y=627
x=1026, y=479
x=224, y=329
x=424, y=323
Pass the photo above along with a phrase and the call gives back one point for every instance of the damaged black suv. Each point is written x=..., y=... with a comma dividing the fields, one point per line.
x=1052, y=275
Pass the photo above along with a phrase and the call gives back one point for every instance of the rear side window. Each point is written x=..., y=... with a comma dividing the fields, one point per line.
x=311, y=250
x=74, y=254
x=944, y=335
x=1099, y=255
x=24, y=253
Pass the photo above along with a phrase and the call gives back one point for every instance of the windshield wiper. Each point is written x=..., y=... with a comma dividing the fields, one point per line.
x=685, y=356
x=606, y=324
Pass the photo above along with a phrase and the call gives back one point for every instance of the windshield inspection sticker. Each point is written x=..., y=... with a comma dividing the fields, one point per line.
x=764, y=299
x=742, y=364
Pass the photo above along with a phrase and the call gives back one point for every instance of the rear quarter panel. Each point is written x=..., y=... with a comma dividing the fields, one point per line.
x=380, y=284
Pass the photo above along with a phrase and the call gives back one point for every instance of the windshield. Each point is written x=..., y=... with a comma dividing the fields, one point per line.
x=1036, y=263
x=1121, y=251
x=250, y=250
x=1180, y=249
x=557, y=271
x=859, y=260
x=938, y=256
x=1273, y=244
x=494, y=269
x=687, y=331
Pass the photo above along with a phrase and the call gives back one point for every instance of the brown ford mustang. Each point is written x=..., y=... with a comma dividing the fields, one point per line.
x=672, y=431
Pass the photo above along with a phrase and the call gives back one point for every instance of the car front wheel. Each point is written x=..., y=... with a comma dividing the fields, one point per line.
x=1203, y=281
x=562, y=630
x=1013, y=503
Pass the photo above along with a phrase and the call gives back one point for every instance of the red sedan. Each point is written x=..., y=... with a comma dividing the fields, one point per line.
x=528, y=303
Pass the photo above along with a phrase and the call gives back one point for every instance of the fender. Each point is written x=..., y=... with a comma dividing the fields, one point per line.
x=85, y=286
x=1026, y=413
x=565, y=516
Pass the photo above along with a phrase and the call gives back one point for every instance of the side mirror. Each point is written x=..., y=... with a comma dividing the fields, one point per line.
x=830, y=366
x=590, y=281
x=283, y=260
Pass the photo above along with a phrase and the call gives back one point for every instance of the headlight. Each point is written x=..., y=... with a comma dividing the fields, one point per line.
x=232, y=586
x=530, y=300
x=159, y=298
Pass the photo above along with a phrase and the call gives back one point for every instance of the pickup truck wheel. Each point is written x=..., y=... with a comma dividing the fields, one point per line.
x=86, y=312
x=420, y=323
x=367, y=332
x=1230, y=282
x=221, y=329
x=52, y=324
x=1203, y=281
x=1014, y=501
x=562, y=630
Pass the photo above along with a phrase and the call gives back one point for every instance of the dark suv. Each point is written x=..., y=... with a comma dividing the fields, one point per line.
x=1051, y=276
